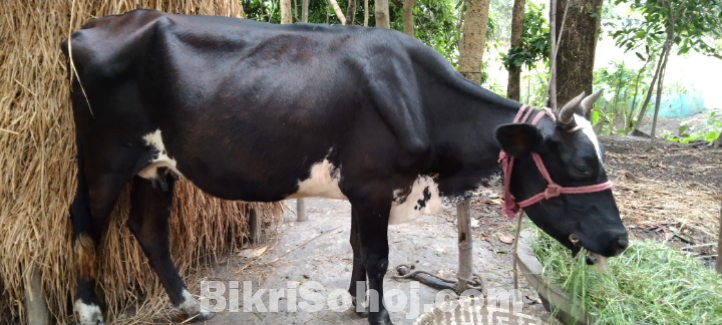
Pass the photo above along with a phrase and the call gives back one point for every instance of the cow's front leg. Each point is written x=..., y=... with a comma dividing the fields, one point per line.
x=150, y=209
x=373, y=221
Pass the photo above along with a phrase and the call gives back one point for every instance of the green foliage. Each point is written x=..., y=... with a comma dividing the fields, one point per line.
x=618, y=102
x=695, y=29
x=709, y=130
x=534, y=85
x=535, y=39
x=649, y=283
x=435, y=25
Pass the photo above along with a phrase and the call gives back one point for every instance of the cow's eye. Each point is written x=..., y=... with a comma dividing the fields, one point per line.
x=582, y=169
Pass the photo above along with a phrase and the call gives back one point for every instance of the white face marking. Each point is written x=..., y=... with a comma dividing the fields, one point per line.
x=410, y=209
x=160, y=157
x=322, y=183
x=88, y=314
x=588, y=130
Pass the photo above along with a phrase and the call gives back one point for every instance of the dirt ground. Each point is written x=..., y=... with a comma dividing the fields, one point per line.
x=668, y=193
x=430, y=243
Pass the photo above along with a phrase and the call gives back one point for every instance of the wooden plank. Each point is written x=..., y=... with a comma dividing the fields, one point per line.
x=463, y=215
x=36, y=308
x=531, y=268
x=301, y=210
x=254, y=226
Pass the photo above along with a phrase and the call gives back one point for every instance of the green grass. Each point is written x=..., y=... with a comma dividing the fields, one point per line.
x=648, y=284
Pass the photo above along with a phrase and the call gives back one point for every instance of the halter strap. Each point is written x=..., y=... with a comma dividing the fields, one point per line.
x=510, y=206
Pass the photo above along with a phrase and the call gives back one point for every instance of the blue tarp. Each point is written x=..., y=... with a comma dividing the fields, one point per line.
x=677, y=106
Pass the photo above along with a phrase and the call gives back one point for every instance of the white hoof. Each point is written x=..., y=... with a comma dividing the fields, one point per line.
x=88, y=314
x=193, y=309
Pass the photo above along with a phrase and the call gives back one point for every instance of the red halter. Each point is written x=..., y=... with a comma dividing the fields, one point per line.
x=510, y=206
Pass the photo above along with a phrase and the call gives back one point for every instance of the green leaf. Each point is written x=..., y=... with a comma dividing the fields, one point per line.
x=640, y=56
x=682, y=129
x=595, y=117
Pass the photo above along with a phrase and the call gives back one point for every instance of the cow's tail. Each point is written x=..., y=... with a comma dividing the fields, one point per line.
x=83, y=244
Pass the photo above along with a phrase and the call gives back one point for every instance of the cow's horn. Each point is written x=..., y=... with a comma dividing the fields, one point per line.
x=588, y=102
x=567, y=112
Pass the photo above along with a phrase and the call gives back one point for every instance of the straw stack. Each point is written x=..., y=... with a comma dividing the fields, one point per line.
x=37, y=175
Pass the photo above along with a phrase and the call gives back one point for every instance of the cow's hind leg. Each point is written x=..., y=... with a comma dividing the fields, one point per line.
x=89, y=211
x=371, y=215
x=94, y=200
x=149, y=213
x=358, y=275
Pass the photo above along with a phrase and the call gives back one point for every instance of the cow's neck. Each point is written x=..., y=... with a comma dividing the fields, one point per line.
x=467, y=117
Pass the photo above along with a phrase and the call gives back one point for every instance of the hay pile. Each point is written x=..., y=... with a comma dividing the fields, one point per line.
x=37, y=173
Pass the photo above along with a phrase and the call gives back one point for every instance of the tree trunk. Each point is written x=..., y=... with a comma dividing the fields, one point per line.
x=381, y=11
x=640, y=115
x=471, y=57
x=513, y=88
x=304, y=11
x=350, y=12
x=718, y=263
x=552, y=85
x=659, y=97
x=628, y=126
x=408, y=13
x=575, y=54
x=366, y=12
x=295, y=10
x=286, y=16
x=337, y=10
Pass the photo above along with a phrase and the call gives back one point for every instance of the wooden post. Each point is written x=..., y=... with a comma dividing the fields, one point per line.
x=463, y=215
x=254, y=226
x=301, y=210
x=718, y=264
x=36, y=308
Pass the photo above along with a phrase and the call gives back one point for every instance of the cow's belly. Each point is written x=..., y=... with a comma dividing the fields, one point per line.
x=323, y=182
x=422, y=198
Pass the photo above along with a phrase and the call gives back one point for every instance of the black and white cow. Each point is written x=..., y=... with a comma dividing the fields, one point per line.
x=260, y=112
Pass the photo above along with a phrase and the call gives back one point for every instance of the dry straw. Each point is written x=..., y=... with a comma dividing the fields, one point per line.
x=37, y=173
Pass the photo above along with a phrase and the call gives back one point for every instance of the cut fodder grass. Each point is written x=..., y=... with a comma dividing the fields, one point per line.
x=647, y=284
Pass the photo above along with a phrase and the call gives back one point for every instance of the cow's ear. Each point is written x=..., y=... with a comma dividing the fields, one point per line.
x=518, y=139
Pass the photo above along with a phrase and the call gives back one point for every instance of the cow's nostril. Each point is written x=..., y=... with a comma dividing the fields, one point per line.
x=621, y=243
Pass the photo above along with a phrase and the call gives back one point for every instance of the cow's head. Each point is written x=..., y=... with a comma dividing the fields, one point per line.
x=573, y=157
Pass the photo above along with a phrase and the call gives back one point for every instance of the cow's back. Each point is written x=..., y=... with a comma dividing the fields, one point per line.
x=244, y=109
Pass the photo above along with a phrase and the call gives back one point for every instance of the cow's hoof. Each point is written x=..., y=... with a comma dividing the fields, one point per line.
x=88, y=314
x=380, y=318
x=204, y=314
x=363, y=314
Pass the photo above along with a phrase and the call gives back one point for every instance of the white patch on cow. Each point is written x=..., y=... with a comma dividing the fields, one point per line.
x=323, y=182
x=588, y=130
x=191, y=307
x=415, y=204
x=160, y=157
x=88, y=314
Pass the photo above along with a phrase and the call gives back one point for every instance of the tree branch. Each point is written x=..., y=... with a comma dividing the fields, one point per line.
x=338, y=11
x=398, y=3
